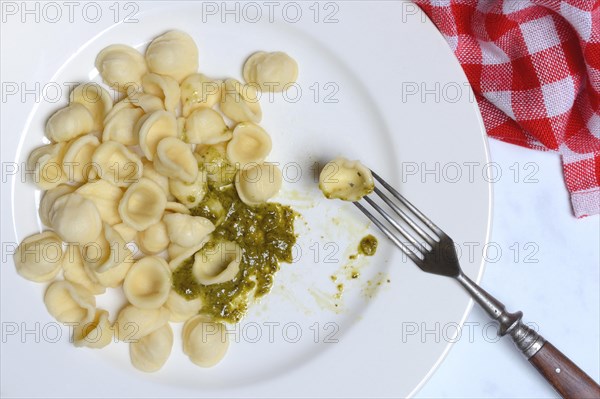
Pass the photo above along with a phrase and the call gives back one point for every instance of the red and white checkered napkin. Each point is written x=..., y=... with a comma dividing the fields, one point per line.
x=535, y=68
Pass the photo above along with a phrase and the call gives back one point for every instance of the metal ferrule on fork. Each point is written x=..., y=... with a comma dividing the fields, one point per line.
x=527, y=340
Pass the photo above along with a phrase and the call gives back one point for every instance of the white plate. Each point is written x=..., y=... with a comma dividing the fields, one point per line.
x=358, y=77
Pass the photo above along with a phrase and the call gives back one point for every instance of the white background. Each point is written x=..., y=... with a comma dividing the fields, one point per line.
x=560, y=293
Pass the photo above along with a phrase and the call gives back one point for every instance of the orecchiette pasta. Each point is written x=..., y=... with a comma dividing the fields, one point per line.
x=48, y=200
x=214, y=207
x=147, y=102
x=120, y=127
x=106, y=197
x=175, y=159
x=143, y=204
x=181, y=308
x=96, y=333
x=87, y=267
x=205, y=342
x=108, y=259
x=96, y=99
x=176, y=207
x=240, y=102
x=250, y=144
x=74, y=271
x=164, y=87
x=184, y=253
x=271, y=71
x=175, y=250
x=125, y=182
x=189, y=194
x=187, y=230
x=77, y=160
x=346, y=180
x=154, y=127
x=75, y=219
x=206, y=126
x=121, y=66
x=154, y=239
x=181, y=128
x=69, y=303
x=46, y=164
x=258, y=183
x=118, y=107
x=151, y=352
x=128, y=233
x=148, y=282
x=134, y=323
x=213, y=158
x=217, y=262
x=39, y=257
x=152, y=174
x=199, y=91
x=173, y=54
x=112, y=278
x=70, y=122
x=117, y=164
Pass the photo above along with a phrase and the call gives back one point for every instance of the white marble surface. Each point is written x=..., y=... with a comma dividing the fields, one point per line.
x=559, y=293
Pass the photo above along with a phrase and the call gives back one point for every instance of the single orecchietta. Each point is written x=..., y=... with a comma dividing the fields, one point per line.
x=346, y=180
x=273, y=72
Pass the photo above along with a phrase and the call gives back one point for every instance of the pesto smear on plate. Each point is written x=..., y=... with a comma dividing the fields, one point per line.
x=368, y=245
x=265, y=234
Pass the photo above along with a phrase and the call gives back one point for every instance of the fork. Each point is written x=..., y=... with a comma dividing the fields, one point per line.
x=439, y=257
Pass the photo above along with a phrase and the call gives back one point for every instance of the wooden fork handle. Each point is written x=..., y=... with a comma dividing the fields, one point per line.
x=568, y=379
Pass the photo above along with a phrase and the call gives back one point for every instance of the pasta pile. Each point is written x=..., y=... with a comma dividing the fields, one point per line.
x=120, y=180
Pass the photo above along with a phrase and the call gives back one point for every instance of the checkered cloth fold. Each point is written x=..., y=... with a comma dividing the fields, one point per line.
x=535, y=68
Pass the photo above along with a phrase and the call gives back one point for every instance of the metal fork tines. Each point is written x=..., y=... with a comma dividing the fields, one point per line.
x=421, y=240
x=430, y=248
x=433, y=251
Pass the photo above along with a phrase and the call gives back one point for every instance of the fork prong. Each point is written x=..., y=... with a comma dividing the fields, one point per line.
x=393, y=222
x=422, y=233
x=410, y=206
x=389, y=234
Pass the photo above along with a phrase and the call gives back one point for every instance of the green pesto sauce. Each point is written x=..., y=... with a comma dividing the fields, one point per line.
x=266, y=236
x=219, y=170
x=340, y=291
x=368, y=245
